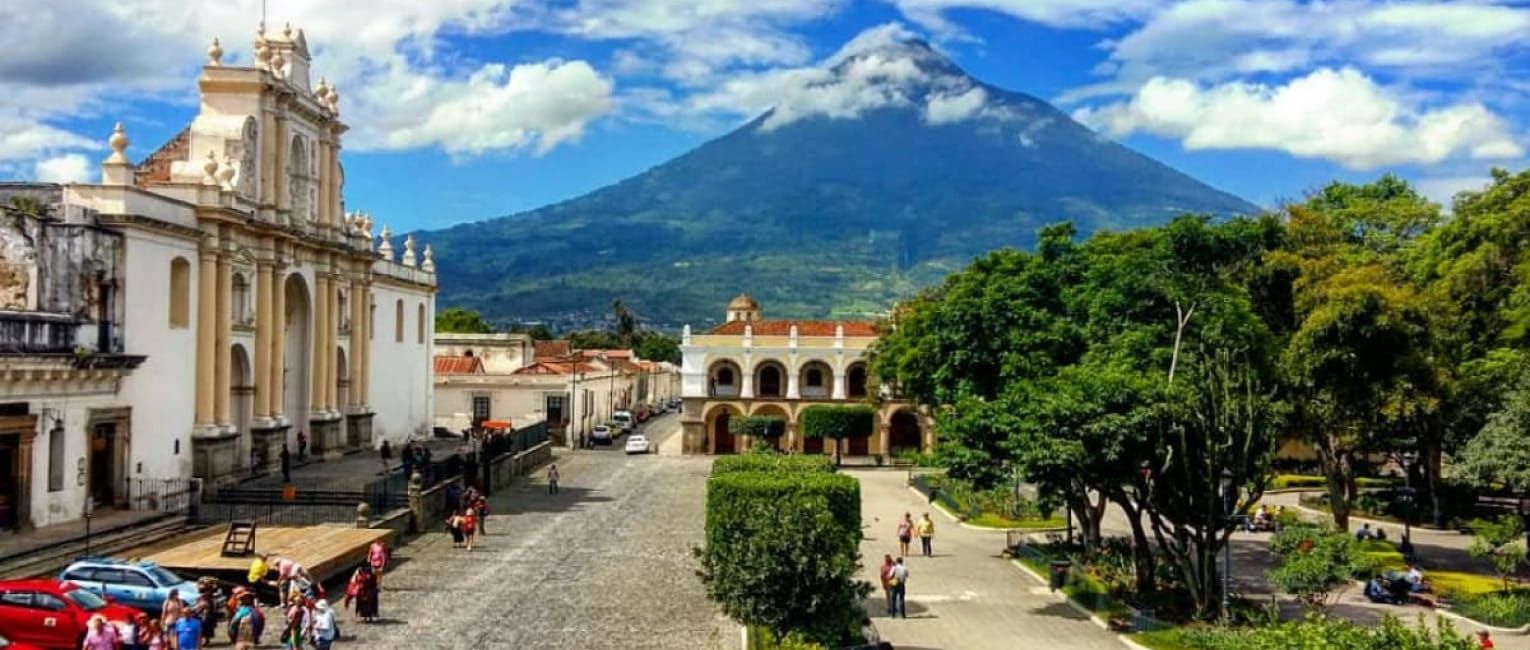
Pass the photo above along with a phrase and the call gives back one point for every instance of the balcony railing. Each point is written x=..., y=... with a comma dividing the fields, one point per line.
x=30, y=332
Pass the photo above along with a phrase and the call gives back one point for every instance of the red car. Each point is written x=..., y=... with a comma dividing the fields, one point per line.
x=51, y=613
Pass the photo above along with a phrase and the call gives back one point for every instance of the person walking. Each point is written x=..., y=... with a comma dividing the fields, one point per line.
x=386, y=453
x=377, y=556
x=926, y=531
x=885, y=575
x=99, y=635
x=552, y=478
x=406, y=456
x=296, y=619
x=244, y=633
x=286, y=459
x=481, y=506
x=321, y=627
x=206, y=609
x=469, y=526
x=367, y=589
x=302, y=446
x=898, y=584
x=905, y=533
x=172, y=610
x=454, y=526
x=188, y=633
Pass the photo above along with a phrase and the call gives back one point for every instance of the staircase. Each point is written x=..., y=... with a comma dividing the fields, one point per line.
x=49, y=560
x=240, y=539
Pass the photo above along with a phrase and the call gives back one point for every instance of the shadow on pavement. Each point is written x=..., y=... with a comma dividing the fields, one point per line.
x=1060, y=610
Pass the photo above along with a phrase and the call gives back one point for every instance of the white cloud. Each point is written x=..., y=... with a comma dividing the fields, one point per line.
x=955, y=107
x=1340, y=115
x=496, y=108
x=23, y=137
x=932, y=14
x=1442, y=190
x=68, y=168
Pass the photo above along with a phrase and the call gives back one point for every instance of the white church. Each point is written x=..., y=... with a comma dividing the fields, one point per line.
x=200, y=307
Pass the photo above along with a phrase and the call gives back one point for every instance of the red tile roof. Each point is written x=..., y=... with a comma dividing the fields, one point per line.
x=556, y=368
x=613, y=354
x=455, y=365
x=804, y=327
x=551, y=349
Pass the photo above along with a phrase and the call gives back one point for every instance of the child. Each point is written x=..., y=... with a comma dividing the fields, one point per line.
x=470, y=526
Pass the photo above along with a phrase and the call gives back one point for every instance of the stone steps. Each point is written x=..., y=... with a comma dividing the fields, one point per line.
x=49, y=560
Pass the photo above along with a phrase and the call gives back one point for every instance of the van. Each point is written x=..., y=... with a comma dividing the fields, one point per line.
x=624, y=418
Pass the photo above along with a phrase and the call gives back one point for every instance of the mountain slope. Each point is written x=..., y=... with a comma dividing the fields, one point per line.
x=880, y=175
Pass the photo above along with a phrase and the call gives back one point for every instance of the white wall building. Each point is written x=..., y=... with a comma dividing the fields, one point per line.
x=193, y=312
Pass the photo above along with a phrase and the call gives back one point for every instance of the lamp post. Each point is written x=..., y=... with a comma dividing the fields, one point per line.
x=575, y=418
x=1229, y=502
x=1407, y=456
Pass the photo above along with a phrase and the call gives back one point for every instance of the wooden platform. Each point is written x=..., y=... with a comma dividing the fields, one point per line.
x=325, y=551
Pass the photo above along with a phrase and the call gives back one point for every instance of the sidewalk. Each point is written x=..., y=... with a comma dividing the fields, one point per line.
x=104, y=521
x=966, y=596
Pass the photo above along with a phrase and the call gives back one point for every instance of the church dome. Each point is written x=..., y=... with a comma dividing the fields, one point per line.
x=744, y=302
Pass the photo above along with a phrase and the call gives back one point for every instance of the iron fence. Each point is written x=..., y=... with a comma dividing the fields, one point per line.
x=169, y=495
x=277, y=514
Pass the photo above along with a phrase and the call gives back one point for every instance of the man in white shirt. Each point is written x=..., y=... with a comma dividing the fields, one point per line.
x=898, y=589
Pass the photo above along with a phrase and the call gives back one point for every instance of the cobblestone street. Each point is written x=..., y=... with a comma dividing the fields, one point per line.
x=605, y=564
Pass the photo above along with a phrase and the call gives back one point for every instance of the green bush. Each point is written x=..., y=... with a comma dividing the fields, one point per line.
x=837, y=422
x=797, y=463
x=782, y=551
x=1499, y=609
x=759, y=426
x=1314, y=561
x=1320, y=633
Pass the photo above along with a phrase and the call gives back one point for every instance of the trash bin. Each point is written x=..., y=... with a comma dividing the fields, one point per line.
x=1060, y=573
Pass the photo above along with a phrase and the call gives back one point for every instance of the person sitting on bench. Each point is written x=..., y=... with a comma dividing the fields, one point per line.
x=1376, y=591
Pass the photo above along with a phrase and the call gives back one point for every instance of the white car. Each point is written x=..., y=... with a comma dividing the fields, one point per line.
x=637, y=443
x=601, y=434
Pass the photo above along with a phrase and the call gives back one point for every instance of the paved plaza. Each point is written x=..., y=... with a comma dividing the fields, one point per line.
x=966, y=597
x=605, y=564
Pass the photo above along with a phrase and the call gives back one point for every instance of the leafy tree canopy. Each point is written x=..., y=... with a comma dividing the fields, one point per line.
x=459, y=320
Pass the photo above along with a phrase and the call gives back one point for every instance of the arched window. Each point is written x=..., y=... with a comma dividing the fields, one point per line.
x=398, y=321
x=420, y=325
x=180, y=293
x=725, y=376
x=240, y=301
x=814, y=377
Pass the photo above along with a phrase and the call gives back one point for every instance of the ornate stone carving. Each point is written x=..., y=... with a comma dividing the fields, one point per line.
x=215, y=54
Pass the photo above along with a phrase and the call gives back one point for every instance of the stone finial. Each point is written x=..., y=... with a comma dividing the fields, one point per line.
x=429, y=265
x=262, y=50
x=210, y=169
x=215, y=54
x=277, y=63
x=385, y=246
x=119, y=142
x=334, y=99
x=408, y=259
x=226, y=173
x=366, y=227
x=685, y=335
x=287, y=31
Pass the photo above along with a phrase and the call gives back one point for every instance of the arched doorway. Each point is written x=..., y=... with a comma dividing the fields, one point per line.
x=241, y=398
x=903, y=432
x=724, y=379
x=772, y=411
x=770, y=379
x=855, y=381
x=723, y=440
x=296, y=373
x=816, y=380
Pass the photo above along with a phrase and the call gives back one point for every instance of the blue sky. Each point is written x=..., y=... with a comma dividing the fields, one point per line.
x=468, y=109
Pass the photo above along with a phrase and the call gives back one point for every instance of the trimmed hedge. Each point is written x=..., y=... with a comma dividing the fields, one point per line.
x=837, y=422
x=779, y=463
x=759, y=426
x=782, y=547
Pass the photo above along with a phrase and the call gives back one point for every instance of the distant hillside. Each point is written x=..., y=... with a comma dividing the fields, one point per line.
x=820, y=216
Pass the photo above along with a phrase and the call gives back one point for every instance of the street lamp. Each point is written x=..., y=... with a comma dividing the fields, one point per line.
x=1408, y=457
x=1229, y=502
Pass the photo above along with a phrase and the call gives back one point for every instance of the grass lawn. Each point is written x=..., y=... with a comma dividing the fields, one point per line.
x=994, y=520
x=1387, y=558
x=1285, y=481
x=1165, y=639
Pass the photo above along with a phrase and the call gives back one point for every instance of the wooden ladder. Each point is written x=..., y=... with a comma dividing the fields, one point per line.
x=240, y=540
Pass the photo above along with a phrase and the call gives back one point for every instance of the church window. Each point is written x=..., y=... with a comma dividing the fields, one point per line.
x=398, y=322
x=180, y=293
x=420, y=325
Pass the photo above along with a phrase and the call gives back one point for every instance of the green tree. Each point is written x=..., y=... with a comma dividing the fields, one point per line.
x=654, y=346
x=1498, y=541
x=460, y=320
x=837, y=423
x=626, y=324
x=1315, y=562
x=593, y=340
x=1499, y=455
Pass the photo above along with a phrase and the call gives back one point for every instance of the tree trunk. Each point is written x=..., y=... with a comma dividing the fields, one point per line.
x=1432, y=462
x=1143, y=563
x=1340, y=474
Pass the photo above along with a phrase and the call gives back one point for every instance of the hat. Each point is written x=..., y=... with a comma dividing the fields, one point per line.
x=322, y=605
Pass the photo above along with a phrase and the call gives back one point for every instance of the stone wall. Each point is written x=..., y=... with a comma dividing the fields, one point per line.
x=504, y=470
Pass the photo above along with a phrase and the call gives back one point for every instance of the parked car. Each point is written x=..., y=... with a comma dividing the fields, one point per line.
x=637, y=443
x=624, y=420
x=7, y=644
x=52, y=613
x=143, y=585
x=601, y=434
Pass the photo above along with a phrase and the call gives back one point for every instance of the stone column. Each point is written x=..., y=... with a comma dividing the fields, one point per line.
x=838, y=391
x=793, y=380
x=263, y=325
x=885, y=447
x=336, y=182
x=222, y=340
x=320, y=339
x=283, y=202
x=277, y=380
x=364, y=379
x=332, y=343
x=207, y=286
x=358, y=340
x=746, y=384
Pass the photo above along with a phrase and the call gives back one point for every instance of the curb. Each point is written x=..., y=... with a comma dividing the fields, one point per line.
x=1522, y=630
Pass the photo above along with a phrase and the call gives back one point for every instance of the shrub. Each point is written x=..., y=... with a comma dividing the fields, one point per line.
x=778, y=463
x=837, y=422
x=758, y=426
x=782, y=551
x=1317, y=632
x=1500, y=608
x=1314, y=561
x=1498, y=542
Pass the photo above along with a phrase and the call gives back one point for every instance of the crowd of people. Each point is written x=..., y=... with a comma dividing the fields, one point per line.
x=467, y=511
